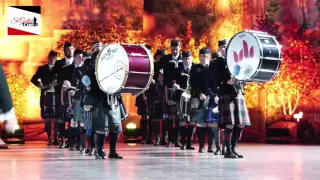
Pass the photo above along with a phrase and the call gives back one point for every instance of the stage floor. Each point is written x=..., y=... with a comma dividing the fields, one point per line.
x=35, y=161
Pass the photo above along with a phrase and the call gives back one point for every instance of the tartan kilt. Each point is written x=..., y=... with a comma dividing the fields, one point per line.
x=233, y=110
x=78, y=110
x=87, y=117
x=199, y=115
x=104, y=118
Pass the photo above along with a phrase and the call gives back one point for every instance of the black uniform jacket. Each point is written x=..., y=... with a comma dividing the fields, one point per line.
x=44, y=75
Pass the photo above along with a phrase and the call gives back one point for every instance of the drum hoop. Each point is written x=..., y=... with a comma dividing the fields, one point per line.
x=126, y=68
x=259, y=43
x=151, y=69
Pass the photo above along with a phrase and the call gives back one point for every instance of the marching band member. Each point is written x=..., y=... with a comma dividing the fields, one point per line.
x=44, y=78
x=199, y=94
x=61, y=74
x=156, y=98
x=77, y=122
x=233, y=111
x=142, y=105
x=186, y=123
x=221, y=53
x=172, y=64
x=106, y=116
x=7, y=113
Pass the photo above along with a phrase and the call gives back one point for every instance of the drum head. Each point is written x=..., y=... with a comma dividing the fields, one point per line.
x=112, y=66
x=243, y=56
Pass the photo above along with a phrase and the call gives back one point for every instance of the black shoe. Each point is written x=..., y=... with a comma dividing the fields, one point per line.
x=72, y=148
x=210, y=149
x=83, y=151
x=114, y=156
x=201, y=150
x=55, y=143
x=143, y=142
x=149, y=142
x=91, y=152
x=223, y=152
x=236, y=153
x=99, y=155
x=169, y=145
x=49, y=142
x=190, y=147
x=183, y=147
x=78, y=147
x=217, y=152
x=177, y=144
x=67, y=145
x=87, y=151
x=229, y=154
x=63, y=144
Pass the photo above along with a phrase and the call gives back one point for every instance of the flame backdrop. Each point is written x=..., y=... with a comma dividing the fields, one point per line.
x=197, y=23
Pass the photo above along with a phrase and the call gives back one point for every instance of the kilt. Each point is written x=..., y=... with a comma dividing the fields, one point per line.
x=87, y=118
x=199, y=115
x=233, y=110
x=104, y=118
x=78, y=109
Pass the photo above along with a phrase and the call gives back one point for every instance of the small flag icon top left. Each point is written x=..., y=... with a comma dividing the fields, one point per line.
x=24, y=20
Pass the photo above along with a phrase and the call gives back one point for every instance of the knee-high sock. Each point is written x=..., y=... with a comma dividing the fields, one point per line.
x=183, y=134
x=55, y=132
x=164, y=131
x=150, y=129
x=235, y=136
x=169, y=127
x=227, y=138
x=144, y=127
x=201, y=136
x=190, y=131
x=210, y=136
x=156, y=127
x=91, y=141
x=82, y=137
x=48, y=128
x=113, y=142
x=72, y=136
x=99, y=141
x=177, y=129
x=216, y=132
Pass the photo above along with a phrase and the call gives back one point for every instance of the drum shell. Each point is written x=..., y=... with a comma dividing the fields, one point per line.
x=140, y=69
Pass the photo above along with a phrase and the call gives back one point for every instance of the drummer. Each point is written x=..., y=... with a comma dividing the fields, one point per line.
x=172, y=63
x=186, y=125
x=232, y=108
x=44, y=80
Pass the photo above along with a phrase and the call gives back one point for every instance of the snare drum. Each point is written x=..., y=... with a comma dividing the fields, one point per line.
x=253, y=56
x=124, y=68
x=185, y=107
x=49, y=104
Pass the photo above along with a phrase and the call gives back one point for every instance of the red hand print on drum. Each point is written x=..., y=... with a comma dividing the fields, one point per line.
x=244, y=53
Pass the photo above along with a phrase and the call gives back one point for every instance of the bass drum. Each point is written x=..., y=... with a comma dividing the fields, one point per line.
x=253, y=56
x=124, y=68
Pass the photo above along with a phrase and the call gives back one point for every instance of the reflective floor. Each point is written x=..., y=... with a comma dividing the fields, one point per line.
x=35, y=161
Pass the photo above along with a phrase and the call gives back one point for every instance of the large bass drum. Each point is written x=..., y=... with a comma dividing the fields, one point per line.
x=253, y=56
x=124, y=68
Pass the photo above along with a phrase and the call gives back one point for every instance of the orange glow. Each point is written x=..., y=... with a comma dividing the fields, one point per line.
x=148, y=23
